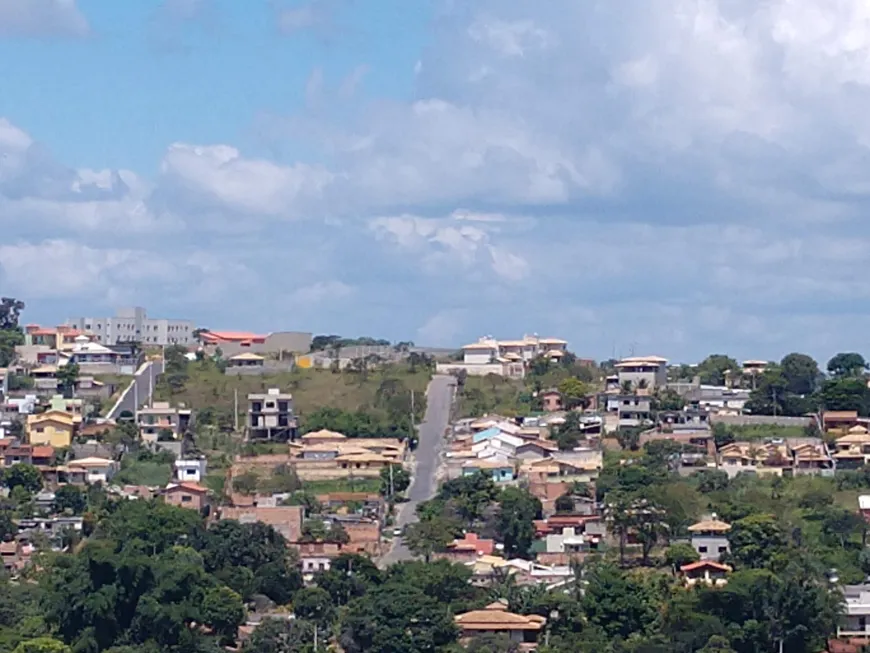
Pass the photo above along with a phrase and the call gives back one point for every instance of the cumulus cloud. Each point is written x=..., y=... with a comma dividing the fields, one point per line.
x=42, y=18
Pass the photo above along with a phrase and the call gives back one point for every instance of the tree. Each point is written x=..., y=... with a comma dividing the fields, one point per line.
x=42, y=645
x=713, y=368
x=616, y=603
x=756, y=540
x=349, y=576
x=23, y=475
x=574, y=392
x=710, y=480
x=849, y=364
x=430, y=536
x=769, y=395
x=722, y=435
x=223, y=612
x=397, y=618
x=337, y=534
x=717, y=644
x=517, y=510
x=395, y=479
x=801, y=373
x=570, y=432
x=68, y=378
x=629, y=437
x=8, y=528
x=846, y=393
x=10, y=331
x=314, y=604
x=246, y=483
x=69, y=497
x=281, y=636
x=564, y=503
x=677, y=555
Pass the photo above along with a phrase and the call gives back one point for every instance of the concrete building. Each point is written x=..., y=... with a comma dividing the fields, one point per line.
x=160, y=417
x=856, y=620
x=191, y=470
x=710, y=538
x=134, y=325
x=281, y=344
x=640, y=371
x=270, y=416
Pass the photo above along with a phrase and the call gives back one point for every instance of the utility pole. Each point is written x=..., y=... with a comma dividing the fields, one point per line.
x=236, y=409
x=150, y=384
x=135, y=400
x=392, y=491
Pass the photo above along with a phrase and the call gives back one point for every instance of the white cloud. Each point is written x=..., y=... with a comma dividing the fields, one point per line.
x=42, y=18
x=322, y=291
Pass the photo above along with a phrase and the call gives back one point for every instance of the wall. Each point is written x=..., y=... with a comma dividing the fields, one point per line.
x=766, y=420
x=514, y=371
x=268, y=367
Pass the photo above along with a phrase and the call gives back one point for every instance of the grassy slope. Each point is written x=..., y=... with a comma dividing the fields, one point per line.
x=207, y=387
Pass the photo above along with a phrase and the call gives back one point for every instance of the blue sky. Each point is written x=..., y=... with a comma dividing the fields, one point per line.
x=676, y=177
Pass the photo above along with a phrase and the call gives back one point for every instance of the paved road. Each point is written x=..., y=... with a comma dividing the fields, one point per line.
x=439, y=399
x=145, y=378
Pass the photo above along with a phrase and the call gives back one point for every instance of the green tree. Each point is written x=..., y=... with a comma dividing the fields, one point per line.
x=713, y=368
x=68, y=378
x=722, y=435
x=399, y=619
x=801, y=373
x=430, y=536
x=8, y=528
x=846, y=394
x=616, y=603
x=314, y=604
x=70, y=497
x=717, y=644
x=756, y=540
x=23, y=475
x=677, y=555
x=448, y=582
x=281, y=636
x=517, y=510
x=42, y=645
x=564, y=504
x=10, y=331
x=574, y=392
x=399, y=480
x=629, y=437
x=223, y=612
x=246, y=483
x=850, y=364
x=349, y=576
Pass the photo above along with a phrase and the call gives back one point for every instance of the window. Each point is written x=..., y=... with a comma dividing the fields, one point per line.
x=39, y=429
x=186, y=498
x=702, y=549
x=321, y=566
x=270, y=404
x=723, y=549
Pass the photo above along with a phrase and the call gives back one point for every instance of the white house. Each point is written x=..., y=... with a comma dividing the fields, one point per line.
x=92, y=470
x=191, y=470
x=856, y=620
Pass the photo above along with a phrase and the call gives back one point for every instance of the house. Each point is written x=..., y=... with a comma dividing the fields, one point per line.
x=468, y=548
x=642, y=371
x=91, y=470
x=191, y=470
x=839, y=420
x=852, y=449
x=710, y=538
x=246, y=361
x=813, y=459
x=571, y=541
x=186, y=495
x=283, y=344
x=74, y=407
x=162, y=421
x=551, y=400
x=706, y=572
x=754, y=368
x=92, y=355
x=504, y=357
x=495, y=619
x=855, y=621
x=772, y=459
x=271, y=417
x=53, y=427
x=315, y=557
x=501, y=472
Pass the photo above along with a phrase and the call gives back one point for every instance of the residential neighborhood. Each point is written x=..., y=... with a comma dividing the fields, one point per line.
x=547, y=473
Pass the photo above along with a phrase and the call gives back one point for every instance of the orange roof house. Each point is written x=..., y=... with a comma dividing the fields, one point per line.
x=495, y=619
x=706, y=572
x=238, y=337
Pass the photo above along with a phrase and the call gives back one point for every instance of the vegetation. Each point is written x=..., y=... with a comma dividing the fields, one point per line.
x=10, y=331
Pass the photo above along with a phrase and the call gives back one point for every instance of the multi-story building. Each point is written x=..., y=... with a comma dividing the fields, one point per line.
x=159, y=418
x=134, y=325
x=270, y=416
x=643, y=371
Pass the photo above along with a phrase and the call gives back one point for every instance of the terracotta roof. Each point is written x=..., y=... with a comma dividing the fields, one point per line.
x=231, y=336
x=705, y=563
x=188, y=486
x=247, y=356
x=43, y=451
x=496, y=617
x=710, y=525
x=8, y=547
x=840, y=414
x=854, y=438
x=323, y=434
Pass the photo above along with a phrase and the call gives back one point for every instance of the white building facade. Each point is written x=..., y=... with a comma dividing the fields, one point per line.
x=134, y=325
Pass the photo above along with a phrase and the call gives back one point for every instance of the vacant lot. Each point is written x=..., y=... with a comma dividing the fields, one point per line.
x=207, y=388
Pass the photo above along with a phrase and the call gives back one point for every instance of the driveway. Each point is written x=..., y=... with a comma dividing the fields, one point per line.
x=439, y=400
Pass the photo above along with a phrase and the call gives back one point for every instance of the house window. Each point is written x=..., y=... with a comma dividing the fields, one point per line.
x=723, y=549
x=39, y=429
x=321, y=566
x=186, y=498
x=702, y=549
x=270, y=404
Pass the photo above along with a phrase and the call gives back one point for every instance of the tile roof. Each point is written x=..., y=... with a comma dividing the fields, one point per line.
x=495, y=616
x=701, y=564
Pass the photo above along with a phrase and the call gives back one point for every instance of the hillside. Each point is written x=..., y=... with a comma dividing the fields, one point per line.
x=208, y=390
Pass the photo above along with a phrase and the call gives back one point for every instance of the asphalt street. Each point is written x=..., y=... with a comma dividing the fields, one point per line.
x=439, y=399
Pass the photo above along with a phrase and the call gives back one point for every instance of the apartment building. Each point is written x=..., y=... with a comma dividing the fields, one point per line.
x=133, y=324
x=643, y=371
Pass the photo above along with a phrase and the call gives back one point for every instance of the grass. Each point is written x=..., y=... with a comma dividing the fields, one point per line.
x=370, y=485
x=493, y=394
x=766, y=431
x=208, y=388
x=142, y=472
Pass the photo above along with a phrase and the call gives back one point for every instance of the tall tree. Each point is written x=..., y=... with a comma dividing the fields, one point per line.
x=713, y=368
x=801, y=373
x=844, y=393
x=517, y=510
x=847, y=364
x=10, y=331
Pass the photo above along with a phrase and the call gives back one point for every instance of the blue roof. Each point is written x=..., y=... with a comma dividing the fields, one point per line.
x=487, y=434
